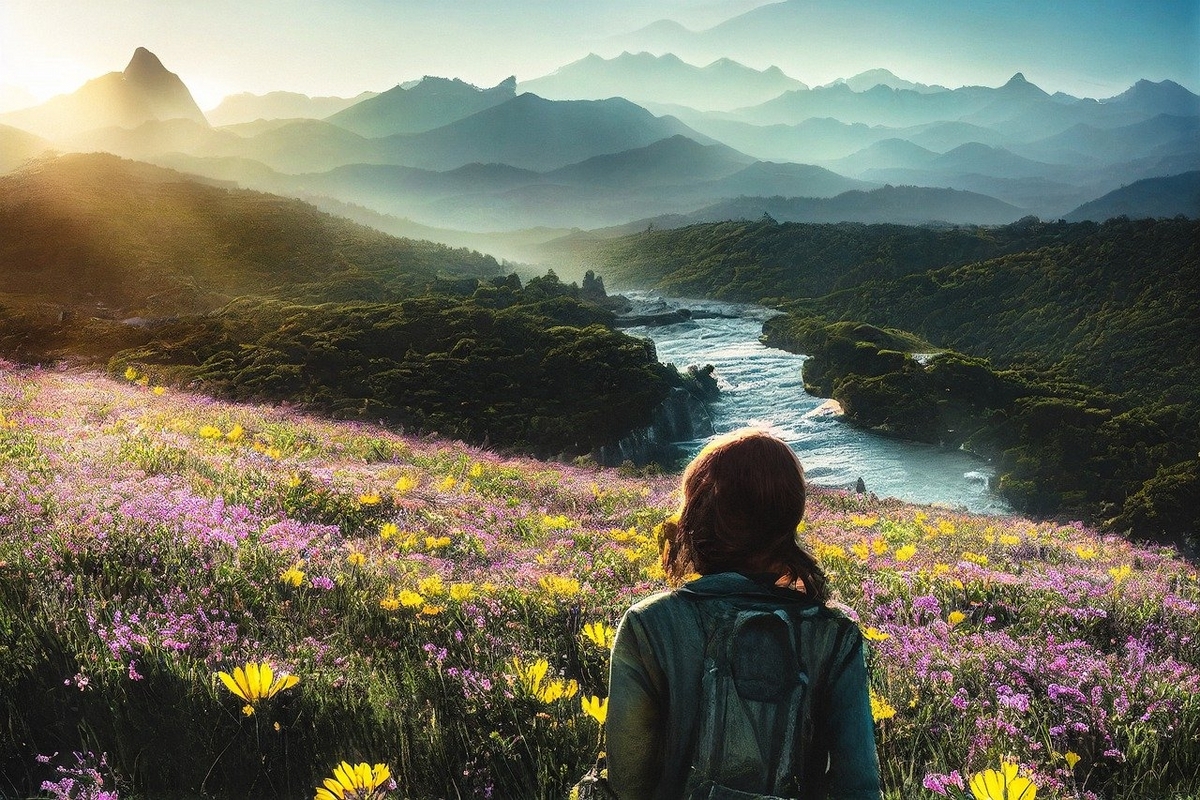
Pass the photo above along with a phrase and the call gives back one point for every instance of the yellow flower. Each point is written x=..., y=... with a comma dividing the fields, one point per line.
x=356, y=558
x=557, y=690
x=830, y=552
x=6, y=424
x=1086, y=552
x=476, y=470
x=1119, y=574
x=975, y=558
x=879, y=546
x=881, y=709
x=388, y=529
x=946, y=527
x=529, y=676
x=293, y=481
x=159, y=390
x=357, y=782
x=431, y=586
x=369, y=499
x=293, y=575
x=1072, y=758
x=432, y=611
x=1002, y=784
x=131, y=374
x=595, y=707
x=556, y=523
x=955, y=618
x=1009, y=540
x=448, y=483
x=461, y=591
x=256, y=682
x=600, y=634
x=210, y=432
x=861, y=549
x=906, y=552
x=405, y=485
x=532, y=679
x=436, y=542
x=875, y=635
x=557, y=586
x=235, y=433
x=861, y=521
x=389, y=603
x=410, y=599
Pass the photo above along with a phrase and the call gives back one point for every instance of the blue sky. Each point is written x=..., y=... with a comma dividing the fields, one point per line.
x=1094, y=48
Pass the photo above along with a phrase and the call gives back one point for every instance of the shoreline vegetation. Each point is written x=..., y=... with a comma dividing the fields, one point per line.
x=442, y=612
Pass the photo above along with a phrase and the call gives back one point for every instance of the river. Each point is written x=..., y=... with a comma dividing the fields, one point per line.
x=762, y=386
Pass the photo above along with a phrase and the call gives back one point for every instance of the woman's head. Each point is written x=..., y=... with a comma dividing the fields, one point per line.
x=743, y=497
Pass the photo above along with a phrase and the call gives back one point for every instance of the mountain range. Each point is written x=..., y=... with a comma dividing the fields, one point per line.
x=667, y=79
x=247, y=107
x=576, y=148
x=431, y=103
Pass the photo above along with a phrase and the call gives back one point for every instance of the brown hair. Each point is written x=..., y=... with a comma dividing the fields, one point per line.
x=743, y=497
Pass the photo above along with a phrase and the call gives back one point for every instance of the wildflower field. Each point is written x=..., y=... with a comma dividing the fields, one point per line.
x=200, y=599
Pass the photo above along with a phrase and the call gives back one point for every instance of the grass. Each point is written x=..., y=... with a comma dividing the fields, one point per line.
x=150, y=540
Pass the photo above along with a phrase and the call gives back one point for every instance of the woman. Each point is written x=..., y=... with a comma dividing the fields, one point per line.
x=743, y=497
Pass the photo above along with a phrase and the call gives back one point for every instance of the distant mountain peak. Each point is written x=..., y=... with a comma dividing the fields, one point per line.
x=1018, y=86
x=144, y=67
x=435, y=84
x=145, y=91
x=1162, y=97
x=872, y=78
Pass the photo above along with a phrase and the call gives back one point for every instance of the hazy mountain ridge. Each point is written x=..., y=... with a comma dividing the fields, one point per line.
x=903, y=205
x=645, y=78
x=675, y=174
x=18, y=146
x=246, y=107
x=1153, y=197
x=508, y=161
x=431, y=103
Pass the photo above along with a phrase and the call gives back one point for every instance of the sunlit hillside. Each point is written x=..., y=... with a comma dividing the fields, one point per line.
x=446, y=613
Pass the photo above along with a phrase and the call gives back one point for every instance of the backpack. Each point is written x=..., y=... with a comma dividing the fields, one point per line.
x=754, y=712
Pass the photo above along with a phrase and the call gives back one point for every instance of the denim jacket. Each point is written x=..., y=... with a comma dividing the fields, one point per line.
x=654, y=693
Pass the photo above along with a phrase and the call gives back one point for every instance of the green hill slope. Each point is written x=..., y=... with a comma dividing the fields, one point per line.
x=249, y=295
x=121, y=238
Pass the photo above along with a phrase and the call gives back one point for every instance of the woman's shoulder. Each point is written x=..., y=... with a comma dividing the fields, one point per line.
x=656, y=604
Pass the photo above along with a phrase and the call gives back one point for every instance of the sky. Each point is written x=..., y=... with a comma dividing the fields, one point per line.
x=1092, y=48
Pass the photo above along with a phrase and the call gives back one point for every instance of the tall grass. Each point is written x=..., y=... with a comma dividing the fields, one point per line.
x=150, y=540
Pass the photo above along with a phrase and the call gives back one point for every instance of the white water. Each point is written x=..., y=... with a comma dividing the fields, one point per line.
x=762, y=386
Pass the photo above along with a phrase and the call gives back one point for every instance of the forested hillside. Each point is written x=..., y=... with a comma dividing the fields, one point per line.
x=124, y=238
x=1078, y=343
x=754, y=260
x=1115, y=304
x=247, y=295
